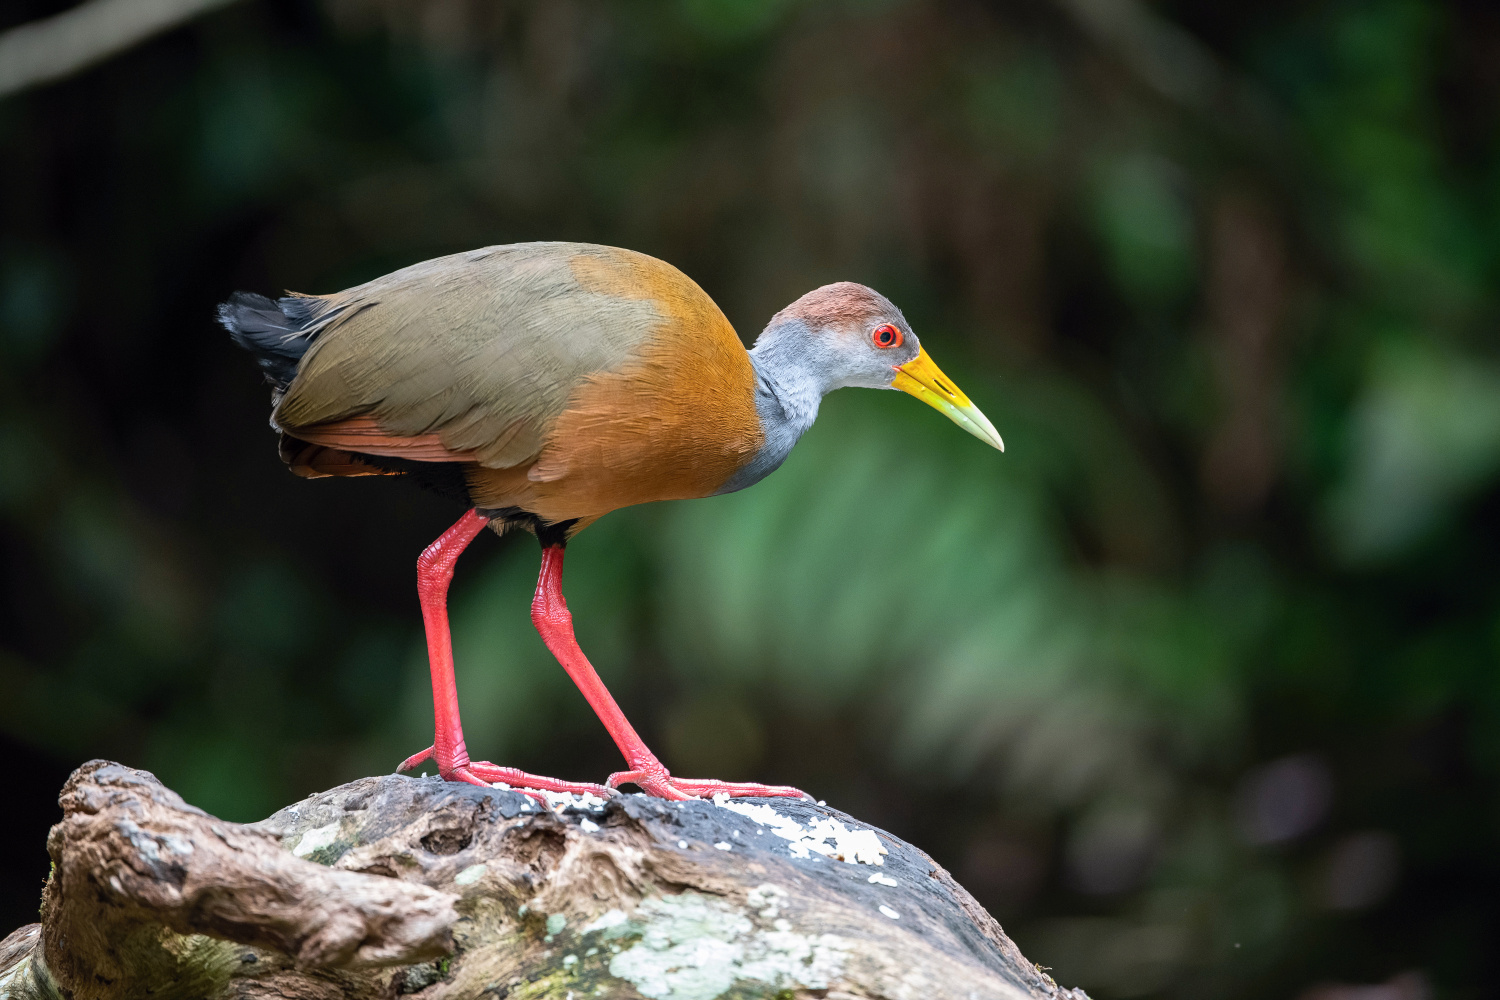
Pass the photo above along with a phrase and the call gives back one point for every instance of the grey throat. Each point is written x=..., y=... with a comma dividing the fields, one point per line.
x=788, y=389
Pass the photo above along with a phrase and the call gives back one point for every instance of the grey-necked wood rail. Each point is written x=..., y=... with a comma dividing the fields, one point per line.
x=544, y=385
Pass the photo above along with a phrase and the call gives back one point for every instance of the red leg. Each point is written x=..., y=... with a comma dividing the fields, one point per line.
x=434, y=573
x=549, y=612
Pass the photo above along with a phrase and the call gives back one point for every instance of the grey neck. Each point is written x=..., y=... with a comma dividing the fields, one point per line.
x=788, y=389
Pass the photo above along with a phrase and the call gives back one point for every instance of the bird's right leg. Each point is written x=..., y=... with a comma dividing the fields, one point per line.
x=550, y=615
x=434, y=573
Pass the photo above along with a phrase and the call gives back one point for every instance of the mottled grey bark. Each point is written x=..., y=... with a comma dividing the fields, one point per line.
x=393, y=885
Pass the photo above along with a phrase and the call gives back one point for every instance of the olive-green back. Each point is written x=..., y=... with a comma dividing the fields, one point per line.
x=481, y=348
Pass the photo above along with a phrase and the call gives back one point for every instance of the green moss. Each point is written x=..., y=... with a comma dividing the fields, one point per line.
x=553, y=986
x=193, y=966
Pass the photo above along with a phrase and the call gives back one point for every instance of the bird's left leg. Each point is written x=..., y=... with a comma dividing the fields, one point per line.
x=550, y=615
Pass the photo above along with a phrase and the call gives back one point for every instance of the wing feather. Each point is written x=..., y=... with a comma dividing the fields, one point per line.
x=470, y=357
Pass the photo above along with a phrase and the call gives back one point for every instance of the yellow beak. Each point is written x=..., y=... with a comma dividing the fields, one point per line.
x=925, y=380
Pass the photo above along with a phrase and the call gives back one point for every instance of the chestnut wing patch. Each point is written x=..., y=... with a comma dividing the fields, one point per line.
x=362, y=435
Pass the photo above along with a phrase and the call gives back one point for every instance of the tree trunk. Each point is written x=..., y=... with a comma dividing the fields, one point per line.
x=394, y=885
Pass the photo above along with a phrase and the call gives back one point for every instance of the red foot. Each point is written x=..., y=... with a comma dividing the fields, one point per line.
x=482, y=772
x=658, y=782
x=549, y=613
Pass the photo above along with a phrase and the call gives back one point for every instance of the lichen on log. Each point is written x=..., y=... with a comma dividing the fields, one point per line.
x=393, y=886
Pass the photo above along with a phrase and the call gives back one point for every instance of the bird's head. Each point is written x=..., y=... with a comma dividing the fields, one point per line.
x=846, y=334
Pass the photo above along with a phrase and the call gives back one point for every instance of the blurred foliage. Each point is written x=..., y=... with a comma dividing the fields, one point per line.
x=1196, y=687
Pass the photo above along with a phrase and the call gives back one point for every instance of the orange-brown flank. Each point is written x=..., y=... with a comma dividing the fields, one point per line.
x=675, y=423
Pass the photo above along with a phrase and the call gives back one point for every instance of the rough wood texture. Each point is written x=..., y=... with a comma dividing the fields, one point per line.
x=393, y=885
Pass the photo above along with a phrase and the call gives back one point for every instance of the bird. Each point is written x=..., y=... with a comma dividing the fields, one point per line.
x=543, y=385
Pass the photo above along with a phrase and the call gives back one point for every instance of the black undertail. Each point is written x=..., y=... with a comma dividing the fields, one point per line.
x=546, y=532
x=446, y=479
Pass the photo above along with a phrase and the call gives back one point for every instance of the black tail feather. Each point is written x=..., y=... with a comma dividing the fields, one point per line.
x=276, y=333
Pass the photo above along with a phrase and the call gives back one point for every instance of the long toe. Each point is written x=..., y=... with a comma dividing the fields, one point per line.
x=522, y=780
x=486, y=775
x=664, y=786
x=706, y=788
x=468, y=774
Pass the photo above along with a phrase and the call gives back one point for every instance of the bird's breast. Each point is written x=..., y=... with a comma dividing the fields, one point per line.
x=677, y=420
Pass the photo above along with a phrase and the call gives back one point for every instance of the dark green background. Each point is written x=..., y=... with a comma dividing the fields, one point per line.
x=1197, y=687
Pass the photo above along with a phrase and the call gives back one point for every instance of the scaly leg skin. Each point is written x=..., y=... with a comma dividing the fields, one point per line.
x=549, y=613
x=434, y=573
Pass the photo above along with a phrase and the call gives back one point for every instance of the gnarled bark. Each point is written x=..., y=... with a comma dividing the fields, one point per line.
x=392, y=885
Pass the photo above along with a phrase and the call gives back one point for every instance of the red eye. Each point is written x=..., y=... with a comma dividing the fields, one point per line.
x=887, y=336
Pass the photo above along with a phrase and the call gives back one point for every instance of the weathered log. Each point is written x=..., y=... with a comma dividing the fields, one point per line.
x=393, y=885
